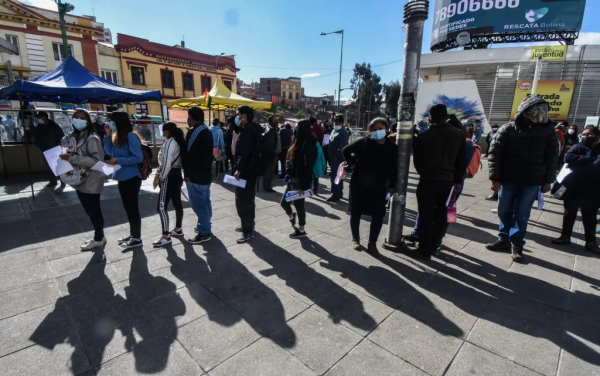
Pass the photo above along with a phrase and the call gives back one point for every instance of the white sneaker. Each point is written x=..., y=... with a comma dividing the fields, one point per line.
x=495, y=211
x=92, y=244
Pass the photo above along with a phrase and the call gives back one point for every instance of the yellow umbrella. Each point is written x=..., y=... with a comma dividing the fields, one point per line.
x=220, y=98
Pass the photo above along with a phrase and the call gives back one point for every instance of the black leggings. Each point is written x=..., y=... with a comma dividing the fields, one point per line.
x=170, y=191
x=129, y=191
x=298, y=204
x=589, y=211
x=91, y=205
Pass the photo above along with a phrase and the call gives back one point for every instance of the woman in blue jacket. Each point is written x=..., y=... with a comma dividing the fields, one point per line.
x=125, y=148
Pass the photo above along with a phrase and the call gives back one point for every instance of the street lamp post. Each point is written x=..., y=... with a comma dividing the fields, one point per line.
x=341, y=57
x=64, y=8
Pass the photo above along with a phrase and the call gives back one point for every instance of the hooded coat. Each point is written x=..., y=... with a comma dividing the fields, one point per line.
x=524, y=154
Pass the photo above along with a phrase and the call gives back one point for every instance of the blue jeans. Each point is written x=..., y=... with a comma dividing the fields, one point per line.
x=201, y=205
x=336, y=189
x=514, y=208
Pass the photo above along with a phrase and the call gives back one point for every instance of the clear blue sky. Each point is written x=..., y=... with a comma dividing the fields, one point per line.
x=275, y=34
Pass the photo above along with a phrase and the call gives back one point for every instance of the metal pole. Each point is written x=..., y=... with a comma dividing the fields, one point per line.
x=61, y=16
x=415, y=14
x=340, y=80
x=27, y=131
x=536, y=76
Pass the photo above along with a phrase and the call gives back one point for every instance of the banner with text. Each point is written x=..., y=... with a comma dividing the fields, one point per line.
x=549, y=53
x=557, y=93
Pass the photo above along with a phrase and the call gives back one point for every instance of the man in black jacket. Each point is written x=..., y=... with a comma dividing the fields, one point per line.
x=285, y=134
x=522, y=161
x=245, y=150
x=439, y=157
x=48, y=135
x=197, y=171
x=271, y=141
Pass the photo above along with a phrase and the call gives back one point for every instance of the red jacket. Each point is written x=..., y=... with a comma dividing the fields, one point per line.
x=317, y=131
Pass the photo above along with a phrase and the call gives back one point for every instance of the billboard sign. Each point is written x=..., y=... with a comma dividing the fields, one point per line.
x=548, y=53
x=480, y=17
x=558, y=93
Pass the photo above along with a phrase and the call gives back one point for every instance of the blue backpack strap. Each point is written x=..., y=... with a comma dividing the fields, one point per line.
x=195, y=134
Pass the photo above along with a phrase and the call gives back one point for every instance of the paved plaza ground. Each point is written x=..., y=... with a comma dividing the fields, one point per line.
x=278, y=306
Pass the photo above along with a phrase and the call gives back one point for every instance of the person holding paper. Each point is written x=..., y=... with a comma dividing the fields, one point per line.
x=299, y=169
x=337, y=141
x=197, y=170
x=374, y=161
x=47, y=136
x=88, y=151
x=125, y=148
x=170, y=181
x=582, y=186
x=439, y=158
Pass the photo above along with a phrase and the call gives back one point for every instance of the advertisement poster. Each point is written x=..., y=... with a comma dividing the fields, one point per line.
x=593, y=120
x=548, y=53
x=504, y=16
x=558, y=93
x=461, y=98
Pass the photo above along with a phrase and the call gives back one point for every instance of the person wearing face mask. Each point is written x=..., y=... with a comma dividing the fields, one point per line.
x=89, y=152
x=337, y=142
x=523, y=160
x=582, y=188
x=246, y=168
x=47, y=136
x=572, y=137
x=374, y=162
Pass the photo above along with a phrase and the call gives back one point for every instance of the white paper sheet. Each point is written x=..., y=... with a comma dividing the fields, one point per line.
x=185, y=193
x=57, y=165
x=564, y=172
x=233, y=181
x=105, y=168
x=293, y=195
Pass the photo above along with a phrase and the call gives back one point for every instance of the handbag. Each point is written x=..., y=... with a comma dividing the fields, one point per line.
x=219, y=153
x=76, y=176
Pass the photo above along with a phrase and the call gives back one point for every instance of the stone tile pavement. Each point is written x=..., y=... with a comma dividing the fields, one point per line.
x=278, y=306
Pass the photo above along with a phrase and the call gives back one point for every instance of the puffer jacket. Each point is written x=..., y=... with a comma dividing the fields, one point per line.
x=90, y=153
x=524, y=154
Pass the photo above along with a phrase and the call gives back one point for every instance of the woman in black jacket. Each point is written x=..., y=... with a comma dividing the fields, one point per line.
x=582, y=186
x=374, y=160
x=299, y=170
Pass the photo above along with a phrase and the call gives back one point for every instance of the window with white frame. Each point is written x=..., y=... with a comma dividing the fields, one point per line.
x=14, y=40
x=59, y=53
x=141, y=108
x=111, y=76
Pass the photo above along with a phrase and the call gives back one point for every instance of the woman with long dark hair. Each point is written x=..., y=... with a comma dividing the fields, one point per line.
x=301, y=159
x=170, y=181
x=125, y=148
x=374, y=160
x=84, y=151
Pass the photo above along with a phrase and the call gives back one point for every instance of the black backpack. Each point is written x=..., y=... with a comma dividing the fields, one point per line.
x=263, y=153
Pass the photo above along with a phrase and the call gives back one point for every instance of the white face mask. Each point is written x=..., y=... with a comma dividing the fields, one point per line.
x=571, y=131
x=337, y=127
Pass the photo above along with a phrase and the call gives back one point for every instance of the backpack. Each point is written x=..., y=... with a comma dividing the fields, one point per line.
x=475, y=164
x=146, y=166
x=320, y=163
x=262, y=154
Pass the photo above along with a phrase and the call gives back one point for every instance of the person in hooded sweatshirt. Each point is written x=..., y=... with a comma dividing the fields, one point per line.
x=86, y=150
x=523, y=160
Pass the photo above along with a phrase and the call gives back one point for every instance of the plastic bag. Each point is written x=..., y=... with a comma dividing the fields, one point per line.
x=341, y=174
x=451, y=207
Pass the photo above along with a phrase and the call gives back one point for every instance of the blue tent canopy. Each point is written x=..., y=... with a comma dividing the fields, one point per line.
x=71, y=82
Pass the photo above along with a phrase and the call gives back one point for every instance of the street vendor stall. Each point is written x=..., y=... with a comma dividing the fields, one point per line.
x=70, y=82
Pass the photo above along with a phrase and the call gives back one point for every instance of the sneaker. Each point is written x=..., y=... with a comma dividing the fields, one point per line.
x=124, y=240
x=293, y=219
x=592, y=247
x=492, y=197
x=239, y=229
x=333, y=199
x=500, y=245
x=176, y=233
x=297, y=234
x=517, y=253
x=413, y=238
x=561, y=241
x=92, y=244
x=161, y=242
x=132, y=243
x=244, y=237
x=495, y=211
x=51, y=184
x=356, y=244
x=372, y=250
x=198, y=239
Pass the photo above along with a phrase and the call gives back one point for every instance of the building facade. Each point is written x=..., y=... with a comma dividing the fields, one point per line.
x=176, y=71
x=287, y=91
x=37, y=35
x=497, y=70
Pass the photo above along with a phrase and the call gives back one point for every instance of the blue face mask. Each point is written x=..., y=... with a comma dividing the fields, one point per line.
x=79, y=124
x=237, y=120
x=112, y=126
x=379, y=135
